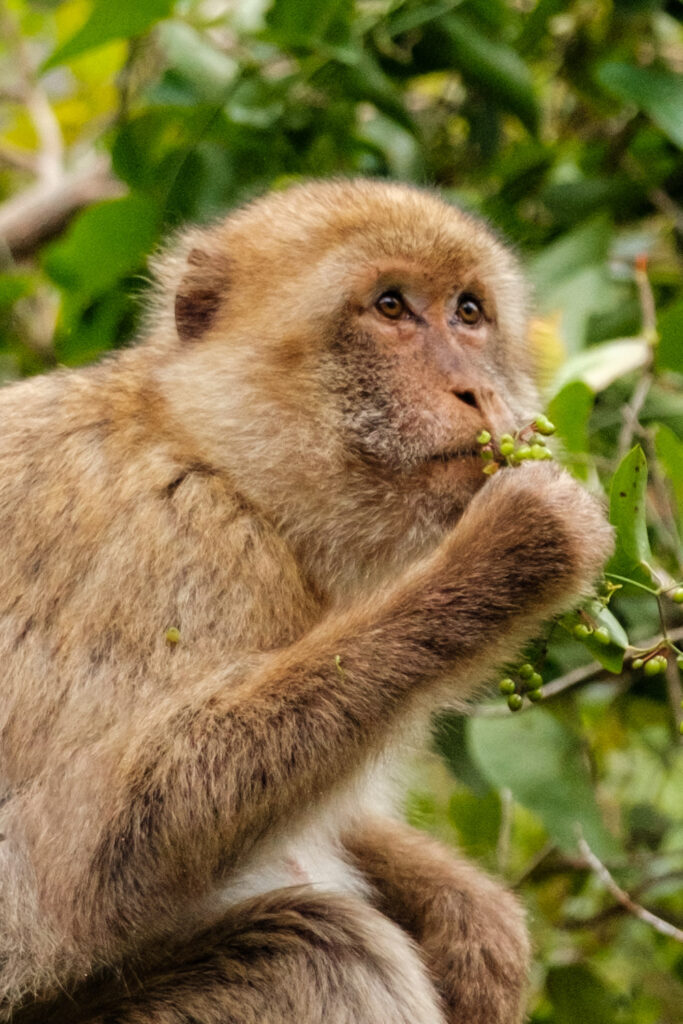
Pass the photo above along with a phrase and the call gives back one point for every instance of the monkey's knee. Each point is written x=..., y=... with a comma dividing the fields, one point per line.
x=483, y=959
x=294, y=957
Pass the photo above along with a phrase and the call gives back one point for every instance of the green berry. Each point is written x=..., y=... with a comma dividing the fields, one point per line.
x=515, y=702
x=487, y=453
x=507, y=439
x=523, y=452
x=602, y=634
x=507, y=685
x=537, y=451
x=507, y=447
x=173, y=635
x=637, y=663
x=535, y=695
x=677, y=595
x=525, y=671
x=543, y=425
x=535, y=681
x=655, y=666
x=490, y=468
x=581, y=631
x=483, y=437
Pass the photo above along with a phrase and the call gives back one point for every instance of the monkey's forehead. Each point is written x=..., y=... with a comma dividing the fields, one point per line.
x=380, y=219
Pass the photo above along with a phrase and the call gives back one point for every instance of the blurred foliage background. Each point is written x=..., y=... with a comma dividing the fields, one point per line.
x=561, y=123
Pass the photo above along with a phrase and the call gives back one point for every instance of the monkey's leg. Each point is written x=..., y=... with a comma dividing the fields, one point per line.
x=471, y=931
x=292, y=957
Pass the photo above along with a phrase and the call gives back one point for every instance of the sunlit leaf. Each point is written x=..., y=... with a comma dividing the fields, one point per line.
x=600, y=365
x=543, y=765
x=119, y=20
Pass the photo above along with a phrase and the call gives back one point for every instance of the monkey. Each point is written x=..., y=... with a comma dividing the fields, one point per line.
x=244, y=562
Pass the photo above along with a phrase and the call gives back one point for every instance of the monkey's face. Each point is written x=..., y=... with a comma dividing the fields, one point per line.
x=351, y=332
x=424, y=370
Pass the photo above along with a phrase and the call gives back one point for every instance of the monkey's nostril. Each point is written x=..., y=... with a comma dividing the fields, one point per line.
x=468, y=397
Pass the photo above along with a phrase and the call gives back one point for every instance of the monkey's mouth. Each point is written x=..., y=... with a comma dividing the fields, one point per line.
x=454, y=454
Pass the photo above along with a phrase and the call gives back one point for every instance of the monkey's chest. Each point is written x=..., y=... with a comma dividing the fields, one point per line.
x=313, y=858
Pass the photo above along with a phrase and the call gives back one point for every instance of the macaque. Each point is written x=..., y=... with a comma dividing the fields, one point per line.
x=243, y=563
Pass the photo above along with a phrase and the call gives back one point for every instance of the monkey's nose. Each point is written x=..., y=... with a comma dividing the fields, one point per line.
x=494, y=412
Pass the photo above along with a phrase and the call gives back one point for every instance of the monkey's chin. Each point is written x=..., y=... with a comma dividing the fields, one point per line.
x=458, y=477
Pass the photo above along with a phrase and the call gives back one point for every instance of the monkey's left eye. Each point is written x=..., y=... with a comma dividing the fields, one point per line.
x=391, y=305
x=468, y=310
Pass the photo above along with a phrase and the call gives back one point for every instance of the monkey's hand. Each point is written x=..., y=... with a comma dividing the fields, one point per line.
x=530, y=544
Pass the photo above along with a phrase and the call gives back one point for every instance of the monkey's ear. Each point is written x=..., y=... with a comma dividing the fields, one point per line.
x=199, y=294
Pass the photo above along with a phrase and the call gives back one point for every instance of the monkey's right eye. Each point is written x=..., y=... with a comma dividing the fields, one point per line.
x=391, y=305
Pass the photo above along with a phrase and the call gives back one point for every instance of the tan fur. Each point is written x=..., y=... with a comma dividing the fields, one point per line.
x=284, y=475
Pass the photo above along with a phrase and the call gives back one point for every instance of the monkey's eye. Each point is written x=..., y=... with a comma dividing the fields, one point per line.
x=468, y=310
x=391, y=305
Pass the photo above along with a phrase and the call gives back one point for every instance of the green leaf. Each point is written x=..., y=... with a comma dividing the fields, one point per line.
x=456, y=42
x=570, y=411
x=450, y=739
x=477, y=821
x=588, y=245
x=106, y=242
x=669, y=351
x=578, y=995
x=627, y=508
x=655, y=90
x=305, y=22
x=611, y=655
x=121, y=19
x=669, y=450
x=542, y=763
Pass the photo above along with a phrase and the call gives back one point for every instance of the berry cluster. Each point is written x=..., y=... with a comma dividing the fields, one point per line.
x=509, y=450
x=582, y=630
x=654, y=663
x=527, y=684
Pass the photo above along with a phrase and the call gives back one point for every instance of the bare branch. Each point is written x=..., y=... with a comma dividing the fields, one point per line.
x=50, y=156
x=41, y=211
x=623, y=898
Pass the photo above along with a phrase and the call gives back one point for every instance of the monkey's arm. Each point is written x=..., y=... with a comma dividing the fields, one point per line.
x=193, y=784
x=470, y=929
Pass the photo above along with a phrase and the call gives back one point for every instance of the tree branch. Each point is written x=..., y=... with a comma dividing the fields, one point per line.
x=42, y=210
x=623, y=898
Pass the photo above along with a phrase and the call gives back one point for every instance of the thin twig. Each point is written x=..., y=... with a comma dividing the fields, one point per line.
x=648, y=315
x=623, y=898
